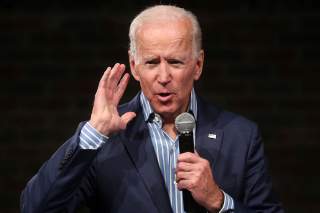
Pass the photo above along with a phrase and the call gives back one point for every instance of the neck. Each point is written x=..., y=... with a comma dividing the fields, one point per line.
x=170, y=129
x=168, y=124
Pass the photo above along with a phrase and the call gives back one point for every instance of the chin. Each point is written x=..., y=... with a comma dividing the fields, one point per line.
x=166, y=111
x=169, y=109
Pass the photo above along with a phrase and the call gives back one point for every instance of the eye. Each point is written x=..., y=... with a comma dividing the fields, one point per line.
x=174, y=61
x=152, y=61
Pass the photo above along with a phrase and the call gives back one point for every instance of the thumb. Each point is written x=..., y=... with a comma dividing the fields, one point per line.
x=126, y=118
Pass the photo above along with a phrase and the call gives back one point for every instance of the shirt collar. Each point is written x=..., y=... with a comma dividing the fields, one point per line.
x=149, y=113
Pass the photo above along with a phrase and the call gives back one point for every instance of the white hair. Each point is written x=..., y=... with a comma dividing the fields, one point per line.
x=165, y=12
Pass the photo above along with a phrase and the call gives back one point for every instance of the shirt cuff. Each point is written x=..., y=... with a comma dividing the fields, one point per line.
x=90, y=138
x=228, y=204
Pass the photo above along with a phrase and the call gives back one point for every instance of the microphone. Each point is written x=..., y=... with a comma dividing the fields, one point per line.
x=185, y=123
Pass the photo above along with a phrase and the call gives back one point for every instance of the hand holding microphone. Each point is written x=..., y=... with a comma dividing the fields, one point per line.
x=193, y=173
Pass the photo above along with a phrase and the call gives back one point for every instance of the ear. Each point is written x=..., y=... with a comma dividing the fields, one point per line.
x=199, y=66
x=133, y=66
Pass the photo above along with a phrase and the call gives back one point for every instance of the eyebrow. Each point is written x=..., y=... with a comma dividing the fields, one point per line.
x=150, y=57
x=181, y=57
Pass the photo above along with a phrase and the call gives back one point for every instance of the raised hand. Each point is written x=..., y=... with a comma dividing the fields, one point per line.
x=104, y=116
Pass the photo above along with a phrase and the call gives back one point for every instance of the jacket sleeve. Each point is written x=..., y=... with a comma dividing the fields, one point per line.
x=257, y=194
x=63, y=182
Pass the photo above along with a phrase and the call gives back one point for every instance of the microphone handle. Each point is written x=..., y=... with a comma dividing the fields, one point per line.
x=190, y=205
x=186, y=142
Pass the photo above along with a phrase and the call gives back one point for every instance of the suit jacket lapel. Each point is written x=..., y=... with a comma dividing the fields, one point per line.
x=137, y=141
x=208, y=137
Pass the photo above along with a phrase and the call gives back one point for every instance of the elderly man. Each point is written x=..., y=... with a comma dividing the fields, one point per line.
x=126, y=158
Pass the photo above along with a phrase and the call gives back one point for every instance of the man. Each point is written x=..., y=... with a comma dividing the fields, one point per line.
x=126, y=159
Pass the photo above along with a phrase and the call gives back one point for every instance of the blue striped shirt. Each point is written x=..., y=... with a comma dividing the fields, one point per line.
x=166, y=149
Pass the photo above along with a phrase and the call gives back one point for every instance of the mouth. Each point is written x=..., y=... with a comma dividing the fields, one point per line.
x=164, y=96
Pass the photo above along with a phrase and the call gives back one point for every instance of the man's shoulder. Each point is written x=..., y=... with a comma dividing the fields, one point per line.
x=232, y=118
x=223, y=118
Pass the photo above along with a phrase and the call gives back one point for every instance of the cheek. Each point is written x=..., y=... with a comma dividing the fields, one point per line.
x=146, y=85
x=184, y=88
x=186, y=82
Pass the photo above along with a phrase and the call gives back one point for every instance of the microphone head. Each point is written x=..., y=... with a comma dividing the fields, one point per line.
x=185, y=122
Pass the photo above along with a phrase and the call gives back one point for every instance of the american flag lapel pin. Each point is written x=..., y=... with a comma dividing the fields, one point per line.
x=212, y=136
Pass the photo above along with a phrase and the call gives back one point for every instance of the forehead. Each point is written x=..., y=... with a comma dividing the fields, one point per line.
x=165, y=36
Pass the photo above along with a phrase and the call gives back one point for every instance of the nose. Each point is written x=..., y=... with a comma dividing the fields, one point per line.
x=164, y=76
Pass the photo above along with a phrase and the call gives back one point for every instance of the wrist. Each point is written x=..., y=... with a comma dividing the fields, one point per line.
x=99, y=127
x=217, y=202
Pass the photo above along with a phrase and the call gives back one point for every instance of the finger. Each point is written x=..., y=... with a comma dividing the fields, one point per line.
x=184, y=167
x=121, y=87
x=184, y=176
x=110, y=80
x=188, y=157
x=184, y=184
x=126, y=118
x=115, y=75
x=102, y=82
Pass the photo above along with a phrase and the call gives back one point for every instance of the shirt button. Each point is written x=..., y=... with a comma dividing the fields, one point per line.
x=172, y=150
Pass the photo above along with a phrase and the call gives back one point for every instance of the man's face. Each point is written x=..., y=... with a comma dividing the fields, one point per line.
x=166, y=66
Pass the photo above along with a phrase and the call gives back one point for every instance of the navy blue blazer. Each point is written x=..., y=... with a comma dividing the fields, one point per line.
x=124, y=175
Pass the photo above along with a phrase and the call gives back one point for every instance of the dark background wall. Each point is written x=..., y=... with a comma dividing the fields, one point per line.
x=262, y=60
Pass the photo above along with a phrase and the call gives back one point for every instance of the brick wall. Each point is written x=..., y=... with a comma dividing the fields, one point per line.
x=262, y=61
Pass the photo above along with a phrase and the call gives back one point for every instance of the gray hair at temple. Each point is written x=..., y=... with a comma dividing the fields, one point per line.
x=165, y=12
